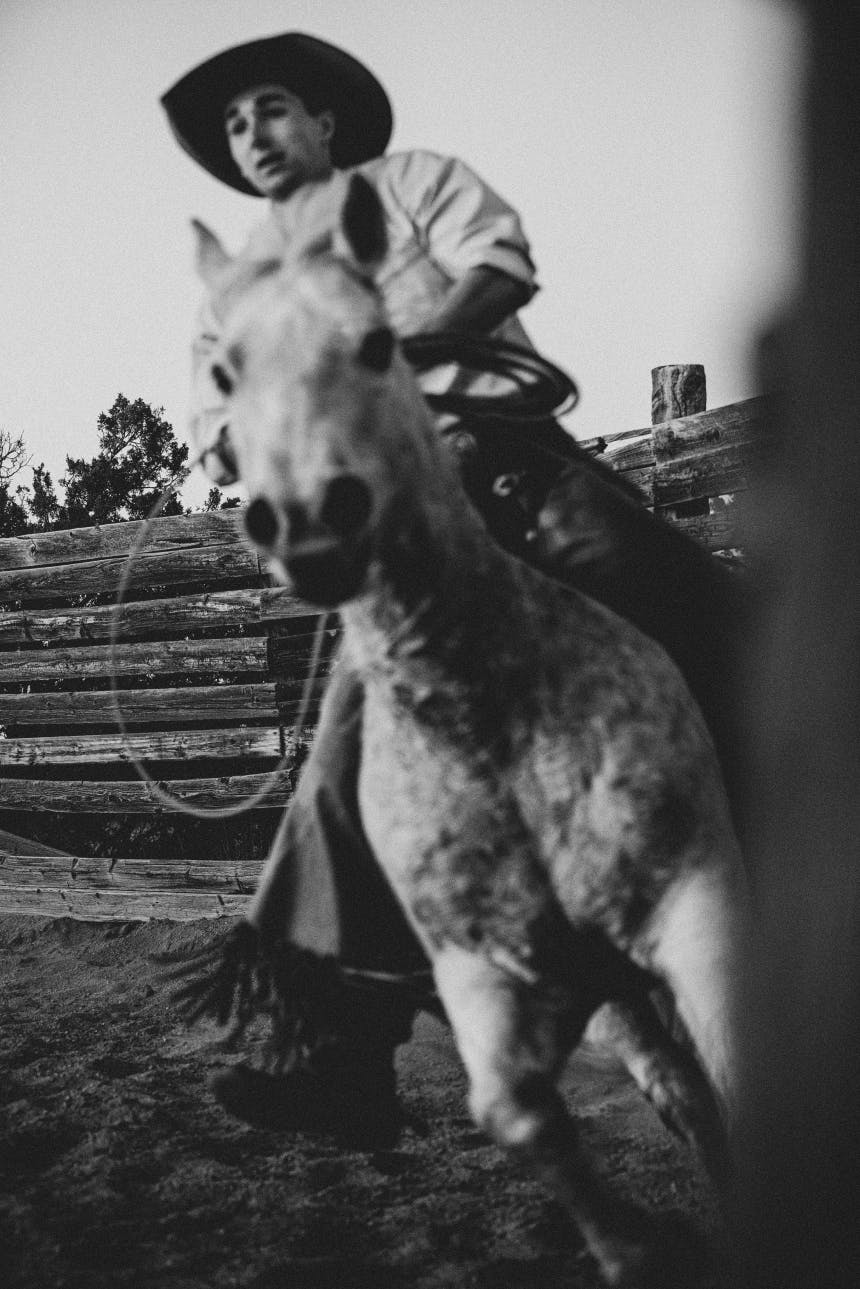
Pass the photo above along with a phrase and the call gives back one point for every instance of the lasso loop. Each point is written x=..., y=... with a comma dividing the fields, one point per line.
x=155, y=788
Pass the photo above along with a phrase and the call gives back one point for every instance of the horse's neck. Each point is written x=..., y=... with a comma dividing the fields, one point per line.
x=442, y=593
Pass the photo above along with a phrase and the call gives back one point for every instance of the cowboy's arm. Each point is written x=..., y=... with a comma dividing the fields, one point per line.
x=479, y=302
x=473, y=235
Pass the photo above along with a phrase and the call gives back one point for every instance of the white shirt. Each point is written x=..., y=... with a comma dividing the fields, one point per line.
x=441, y=220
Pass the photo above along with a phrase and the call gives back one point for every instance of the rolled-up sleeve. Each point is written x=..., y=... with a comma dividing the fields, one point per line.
x=461, y=221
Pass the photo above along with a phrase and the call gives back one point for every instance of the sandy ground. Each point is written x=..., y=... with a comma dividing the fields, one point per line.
x=118, y=1168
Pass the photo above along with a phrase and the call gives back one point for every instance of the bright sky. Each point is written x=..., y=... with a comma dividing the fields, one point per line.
x=649, y=146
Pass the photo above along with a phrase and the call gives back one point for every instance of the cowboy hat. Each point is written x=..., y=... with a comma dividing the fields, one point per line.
x=320, y=74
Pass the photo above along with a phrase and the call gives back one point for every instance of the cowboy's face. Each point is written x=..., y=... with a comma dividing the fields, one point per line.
x=277, y=144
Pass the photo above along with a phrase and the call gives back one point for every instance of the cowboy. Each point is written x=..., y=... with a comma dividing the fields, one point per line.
x=287, y=119
x=284, y=118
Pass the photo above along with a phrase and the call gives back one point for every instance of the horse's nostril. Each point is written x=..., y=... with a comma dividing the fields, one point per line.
x=347, y=505
x=261, y=522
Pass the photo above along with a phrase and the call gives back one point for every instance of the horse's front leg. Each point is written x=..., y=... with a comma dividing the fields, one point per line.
x=514, y=1042
x=669, y=1075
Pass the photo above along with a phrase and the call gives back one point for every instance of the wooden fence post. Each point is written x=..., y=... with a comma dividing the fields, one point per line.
x=677, y=389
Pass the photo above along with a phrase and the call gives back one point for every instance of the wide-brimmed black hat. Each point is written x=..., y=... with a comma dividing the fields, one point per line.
x=320, y=74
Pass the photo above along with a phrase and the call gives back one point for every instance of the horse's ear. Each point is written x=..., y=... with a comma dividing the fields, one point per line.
x=363, y=222
x=212, y=261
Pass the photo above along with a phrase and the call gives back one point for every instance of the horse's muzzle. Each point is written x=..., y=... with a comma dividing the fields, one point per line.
x=325, y=555
x=327, y=573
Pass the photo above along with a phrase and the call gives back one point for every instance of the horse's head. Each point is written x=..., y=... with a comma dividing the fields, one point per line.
x=315, y=387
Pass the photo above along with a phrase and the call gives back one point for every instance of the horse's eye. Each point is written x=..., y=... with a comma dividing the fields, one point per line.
x=222, y=381
x=377, y=349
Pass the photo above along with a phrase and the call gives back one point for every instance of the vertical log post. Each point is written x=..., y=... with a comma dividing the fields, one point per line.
x=679, y=389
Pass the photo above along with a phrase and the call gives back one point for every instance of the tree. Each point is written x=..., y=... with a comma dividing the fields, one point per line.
x=13, y=505
x=215, y=500
x=44, y=505
x=13, y=511
x=13, y=456
x=138, y=459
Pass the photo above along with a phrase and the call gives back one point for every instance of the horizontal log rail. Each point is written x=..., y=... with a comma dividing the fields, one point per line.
x=203, y=564
x=166, y=657
x=64, y=871
x=241, y=609
x=169, y=533
x=709, y=474
x=131, y=797
x=209, y=704
x=289, y=656
x=244, y=743
x=747, y=422
x=107, y=905
x=707, y=454
x=34, y=715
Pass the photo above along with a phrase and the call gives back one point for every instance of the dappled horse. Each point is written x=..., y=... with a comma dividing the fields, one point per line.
x=536, y=781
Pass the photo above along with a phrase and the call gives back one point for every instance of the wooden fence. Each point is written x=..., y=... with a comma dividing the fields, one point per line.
x=211, y=660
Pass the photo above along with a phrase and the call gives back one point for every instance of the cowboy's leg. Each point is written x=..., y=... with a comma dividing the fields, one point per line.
x=322, y=893
x=294, y=897
x=320, y=887
x=573, y=518
x=594, y=535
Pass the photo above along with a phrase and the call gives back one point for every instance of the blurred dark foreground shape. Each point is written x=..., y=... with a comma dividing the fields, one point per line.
x=797, y=1218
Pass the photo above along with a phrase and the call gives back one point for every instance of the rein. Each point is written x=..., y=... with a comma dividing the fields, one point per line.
x=542, y=390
